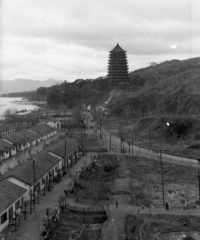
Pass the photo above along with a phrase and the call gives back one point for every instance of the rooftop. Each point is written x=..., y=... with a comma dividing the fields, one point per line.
x=25, y=118
x=10, y=192
x=42, y=128
x=117, y=49
x=24, y=172
x=59, y=149
x=7, y=127
x=4, y=146
x=21, y=136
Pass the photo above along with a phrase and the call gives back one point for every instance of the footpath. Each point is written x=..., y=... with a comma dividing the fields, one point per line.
x=113, y=228
x=115, y=142
x=30, y=229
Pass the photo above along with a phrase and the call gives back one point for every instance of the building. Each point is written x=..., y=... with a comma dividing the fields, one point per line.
x=11, y=198
x=67, y=151
x=6, y=150
x=22, y=139
x=43, y=130
x=38, y=172
x=29, y=120
x=53, y=122
x=7, y=129
x=118, y=66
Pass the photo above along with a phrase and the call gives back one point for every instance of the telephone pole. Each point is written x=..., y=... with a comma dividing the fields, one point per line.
x=121, y=134
x=132, y=143
x=163, y=191
x=110, y=141
x=65, y=155
x=149, y=137
x=199, y=179
x=33, y=183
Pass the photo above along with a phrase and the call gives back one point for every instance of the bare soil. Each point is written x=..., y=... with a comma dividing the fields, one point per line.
x=180, y=184
x=163, y=227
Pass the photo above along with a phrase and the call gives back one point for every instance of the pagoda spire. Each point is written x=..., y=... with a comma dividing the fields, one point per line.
x=118, y=66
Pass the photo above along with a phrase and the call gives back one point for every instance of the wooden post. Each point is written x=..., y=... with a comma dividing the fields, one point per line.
x=132, y=143
x=149, y=137
x=110, y=141
x=199, y=179
x=33, y=183
x=163, y=191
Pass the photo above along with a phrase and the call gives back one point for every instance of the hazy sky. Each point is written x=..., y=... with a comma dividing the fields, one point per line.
x=70, y=39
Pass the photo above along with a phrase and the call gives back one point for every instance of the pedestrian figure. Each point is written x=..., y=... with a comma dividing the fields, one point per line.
x=167, y=206
x=142, y=206
x=116, y=204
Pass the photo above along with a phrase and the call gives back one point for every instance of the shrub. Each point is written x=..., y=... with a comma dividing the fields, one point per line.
x=109, y=166
x=182, y=201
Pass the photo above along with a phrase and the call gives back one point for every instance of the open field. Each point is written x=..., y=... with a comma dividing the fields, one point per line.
x=132, y=181
x=180, y=184
x=162, y=227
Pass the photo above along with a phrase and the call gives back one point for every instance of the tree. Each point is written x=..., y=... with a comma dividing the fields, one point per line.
x=127, y=111
x=9, y=112
x=77, y=113
x=54, y=96
x=41, y=91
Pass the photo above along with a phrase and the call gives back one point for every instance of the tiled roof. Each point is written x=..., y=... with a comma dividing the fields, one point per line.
x=4, y=146
x=42, y=128
x=26, y=135
x=48, y=120
x=117, y=49
x=21, y=136
x=7, y=127
x=24, y=172
x=14, y=139
x=9, y=193
x=59, y=149
x=25, y=118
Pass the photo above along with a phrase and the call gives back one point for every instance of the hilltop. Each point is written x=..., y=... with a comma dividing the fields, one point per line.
x=171, y=87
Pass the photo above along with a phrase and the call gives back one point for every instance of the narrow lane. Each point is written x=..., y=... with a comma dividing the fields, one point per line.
x=138, y=151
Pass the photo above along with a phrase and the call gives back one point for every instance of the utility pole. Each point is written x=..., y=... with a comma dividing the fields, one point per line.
x=162, y=177
x=199, y=179
x=149, y=137
x=132, y=143
x=110, y=141
x=65, y=154
x=121, y=134
x=33, y=183
x=84, y=138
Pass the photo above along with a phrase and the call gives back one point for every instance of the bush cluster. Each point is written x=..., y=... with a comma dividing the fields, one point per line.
x=110, y=166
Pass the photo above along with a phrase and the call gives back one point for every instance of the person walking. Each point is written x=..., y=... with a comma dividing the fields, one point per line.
x=167, y=206
x=116, y=204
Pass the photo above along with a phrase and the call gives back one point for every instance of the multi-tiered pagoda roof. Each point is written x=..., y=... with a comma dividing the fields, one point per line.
x=118, y=66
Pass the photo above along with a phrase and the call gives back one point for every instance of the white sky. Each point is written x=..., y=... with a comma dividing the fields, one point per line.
x=71, y=39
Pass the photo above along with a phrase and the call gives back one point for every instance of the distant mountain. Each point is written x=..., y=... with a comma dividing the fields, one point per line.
x=25, y=85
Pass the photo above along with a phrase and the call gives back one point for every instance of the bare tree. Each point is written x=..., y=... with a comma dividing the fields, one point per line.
x=9, y=112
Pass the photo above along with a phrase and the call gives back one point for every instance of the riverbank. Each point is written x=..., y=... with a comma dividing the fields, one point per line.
x=12, y=105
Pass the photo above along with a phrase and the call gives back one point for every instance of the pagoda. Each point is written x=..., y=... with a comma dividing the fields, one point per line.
x=118, y=66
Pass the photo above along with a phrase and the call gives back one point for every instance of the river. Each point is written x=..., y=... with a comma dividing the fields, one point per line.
x=16, y=104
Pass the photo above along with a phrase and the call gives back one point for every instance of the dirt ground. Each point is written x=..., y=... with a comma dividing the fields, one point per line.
x=162, y=227
x=133, y=181
x=78, y=225
x=180, y=184
x=95, y=183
